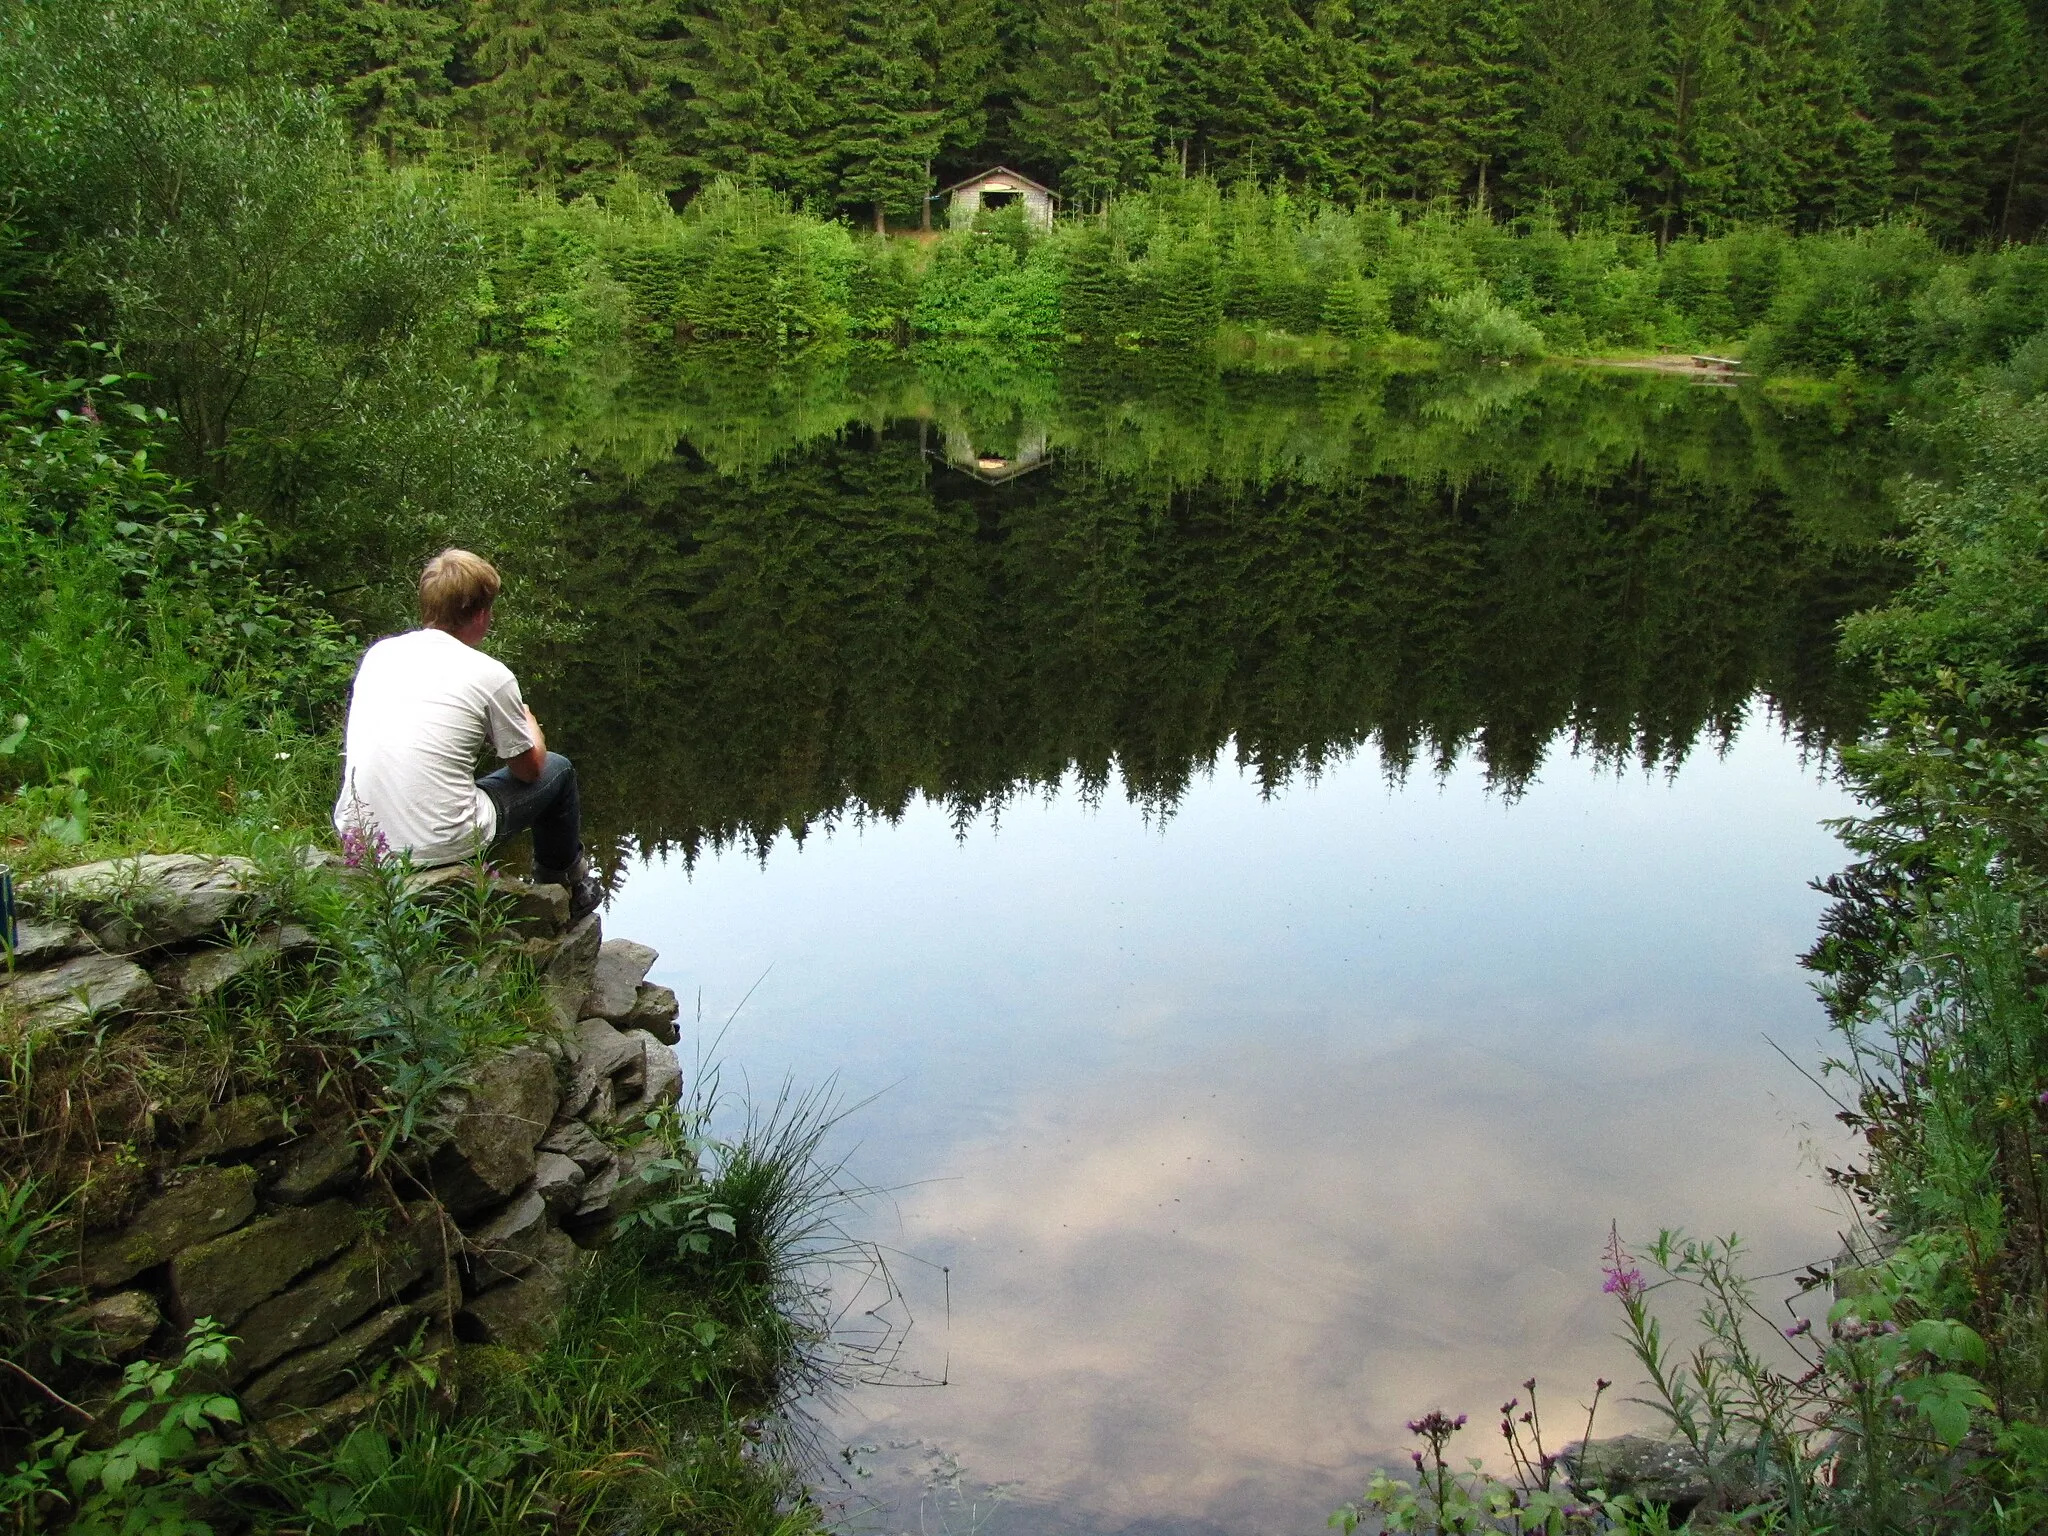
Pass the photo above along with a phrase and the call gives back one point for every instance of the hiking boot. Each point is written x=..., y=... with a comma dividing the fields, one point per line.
x=586, y=890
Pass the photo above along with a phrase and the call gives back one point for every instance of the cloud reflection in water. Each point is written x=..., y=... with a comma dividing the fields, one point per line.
x=1249, y=1138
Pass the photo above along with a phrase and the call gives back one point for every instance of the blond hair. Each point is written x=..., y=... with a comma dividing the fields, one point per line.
x=455, y=587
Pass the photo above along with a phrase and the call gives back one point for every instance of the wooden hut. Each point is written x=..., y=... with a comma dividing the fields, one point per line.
x=997, y=187
x=957, y=450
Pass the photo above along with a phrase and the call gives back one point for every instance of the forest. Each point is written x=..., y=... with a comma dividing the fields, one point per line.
x=1664, y=116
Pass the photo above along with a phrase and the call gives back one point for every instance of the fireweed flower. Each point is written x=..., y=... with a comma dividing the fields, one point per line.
x=1624, y=1279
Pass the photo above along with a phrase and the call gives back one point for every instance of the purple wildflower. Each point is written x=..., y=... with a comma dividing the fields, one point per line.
x=1800, y=1329
x=359, y=848
x=1624, y=1279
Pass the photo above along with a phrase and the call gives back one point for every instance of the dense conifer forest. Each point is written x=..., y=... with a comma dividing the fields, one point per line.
x=1672, y=116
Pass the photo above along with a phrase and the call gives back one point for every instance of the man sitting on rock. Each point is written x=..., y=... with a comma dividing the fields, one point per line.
x=423, y=707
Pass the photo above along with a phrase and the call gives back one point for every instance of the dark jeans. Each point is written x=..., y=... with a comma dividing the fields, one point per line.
x=548, y=805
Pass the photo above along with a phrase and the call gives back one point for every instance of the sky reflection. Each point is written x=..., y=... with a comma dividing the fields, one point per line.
x=1249, y=1137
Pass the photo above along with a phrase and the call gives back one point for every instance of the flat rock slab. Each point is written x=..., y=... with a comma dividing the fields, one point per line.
x=574, y=1139
x=566, y=976
x=615, y=983
x=321, y=1374
x=488, y=1150
x=559, y=1179
x=120, y=1324
x=322, y=1305
x=523, y=1314
x=323, y=1163
x=1655, y=1470
x=533, y=911
x=601, y=1056
x=152, y=899
x=198, y=1205
x=206, y=973
x=39, y=944
x=507, y=1245
x=245, y=1122
x=656, y=1085
x=223, y=1279
x=77, y=992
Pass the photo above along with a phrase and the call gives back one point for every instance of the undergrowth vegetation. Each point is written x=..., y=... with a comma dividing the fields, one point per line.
x=1189, y=260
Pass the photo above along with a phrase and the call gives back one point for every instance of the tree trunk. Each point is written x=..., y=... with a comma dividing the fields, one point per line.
x=881, y=222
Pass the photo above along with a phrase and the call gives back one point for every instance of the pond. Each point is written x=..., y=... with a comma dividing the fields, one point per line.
x=1278, y=861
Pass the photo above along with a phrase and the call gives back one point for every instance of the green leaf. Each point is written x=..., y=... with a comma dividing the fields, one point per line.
x=17, y=733
x=721, y=1221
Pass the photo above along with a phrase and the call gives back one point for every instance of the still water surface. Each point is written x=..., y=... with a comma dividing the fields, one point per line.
x=1237, y=895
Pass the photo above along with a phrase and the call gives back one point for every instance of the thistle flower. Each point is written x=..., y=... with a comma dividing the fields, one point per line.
x=1800, y=1329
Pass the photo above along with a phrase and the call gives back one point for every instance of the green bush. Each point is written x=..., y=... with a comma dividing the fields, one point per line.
x=162, y=677
x=1848, y=302
x=1473, y=323
x=299, y=313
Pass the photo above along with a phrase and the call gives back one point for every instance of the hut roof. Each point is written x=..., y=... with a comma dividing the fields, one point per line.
x=1022, y=182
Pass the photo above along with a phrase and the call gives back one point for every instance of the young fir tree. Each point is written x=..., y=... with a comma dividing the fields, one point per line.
x=577, y=90
x=1088, y=98
x=885, y=129
x=384, y=63
x=756, y=73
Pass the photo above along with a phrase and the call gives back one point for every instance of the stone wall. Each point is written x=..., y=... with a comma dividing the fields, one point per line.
x=319, y=1268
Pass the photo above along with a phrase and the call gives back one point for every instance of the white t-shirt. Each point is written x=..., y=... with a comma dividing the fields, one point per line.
x=421, y=710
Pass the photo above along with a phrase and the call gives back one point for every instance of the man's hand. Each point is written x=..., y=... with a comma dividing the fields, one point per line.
x=527, y=766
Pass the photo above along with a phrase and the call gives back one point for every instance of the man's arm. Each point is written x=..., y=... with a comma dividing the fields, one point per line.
x=527, y=765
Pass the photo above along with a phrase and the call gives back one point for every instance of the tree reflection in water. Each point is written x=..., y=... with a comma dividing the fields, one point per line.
x=794, y=608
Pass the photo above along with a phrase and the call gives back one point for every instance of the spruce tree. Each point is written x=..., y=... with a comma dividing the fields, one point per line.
x=756, y=73
x=1941, y=104
x=1694, y=106
x=885, y=129
x=384, y=63
x=1088, y=99
x=1583, y=136
x=577, y=90
x=1808, y=150
x=964, y=72
x=1486, y=40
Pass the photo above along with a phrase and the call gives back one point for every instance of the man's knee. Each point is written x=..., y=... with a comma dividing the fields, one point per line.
x=556, y=769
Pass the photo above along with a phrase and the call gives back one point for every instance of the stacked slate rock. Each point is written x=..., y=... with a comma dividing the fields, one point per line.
x=278, y=1232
